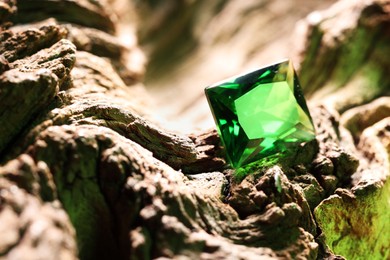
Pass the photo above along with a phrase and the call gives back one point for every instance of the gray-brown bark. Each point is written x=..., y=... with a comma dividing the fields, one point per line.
x=87, y=173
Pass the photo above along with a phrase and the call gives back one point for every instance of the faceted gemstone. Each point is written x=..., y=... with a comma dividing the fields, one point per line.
x=261, y=113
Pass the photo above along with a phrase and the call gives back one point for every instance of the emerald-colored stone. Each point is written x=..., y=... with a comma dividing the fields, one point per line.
x=261, y=113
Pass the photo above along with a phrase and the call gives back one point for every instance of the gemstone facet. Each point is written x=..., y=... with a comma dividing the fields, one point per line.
x=261, y=113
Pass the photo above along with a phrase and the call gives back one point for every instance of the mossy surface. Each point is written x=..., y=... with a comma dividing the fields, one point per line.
x=357, y=226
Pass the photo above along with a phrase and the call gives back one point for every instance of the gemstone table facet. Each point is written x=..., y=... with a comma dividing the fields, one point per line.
x=261, y=113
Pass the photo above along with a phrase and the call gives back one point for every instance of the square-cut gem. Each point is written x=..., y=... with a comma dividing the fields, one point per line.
x=261, y=113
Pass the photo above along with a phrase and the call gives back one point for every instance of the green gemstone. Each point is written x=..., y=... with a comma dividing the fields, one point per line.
x=261, y=113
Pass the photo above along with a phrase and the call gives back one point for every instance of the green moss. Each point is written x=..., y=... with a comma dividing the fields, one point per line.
x=74, y=167
x=308, y=74
x=357, y=228
x=354, y=53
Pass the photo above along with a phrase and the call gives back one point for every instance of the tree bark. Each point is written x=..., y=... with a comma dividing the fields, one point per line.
x=87, y=173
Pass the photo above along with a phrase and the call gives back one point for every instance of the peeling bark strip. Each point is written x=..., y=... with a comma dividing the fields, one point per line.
x=30, y=83
x=87, y=173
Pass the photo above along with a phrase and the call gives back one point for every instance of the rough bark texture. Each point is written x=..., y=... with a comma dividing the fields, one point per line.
x=348, y=45
x=88, y=172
